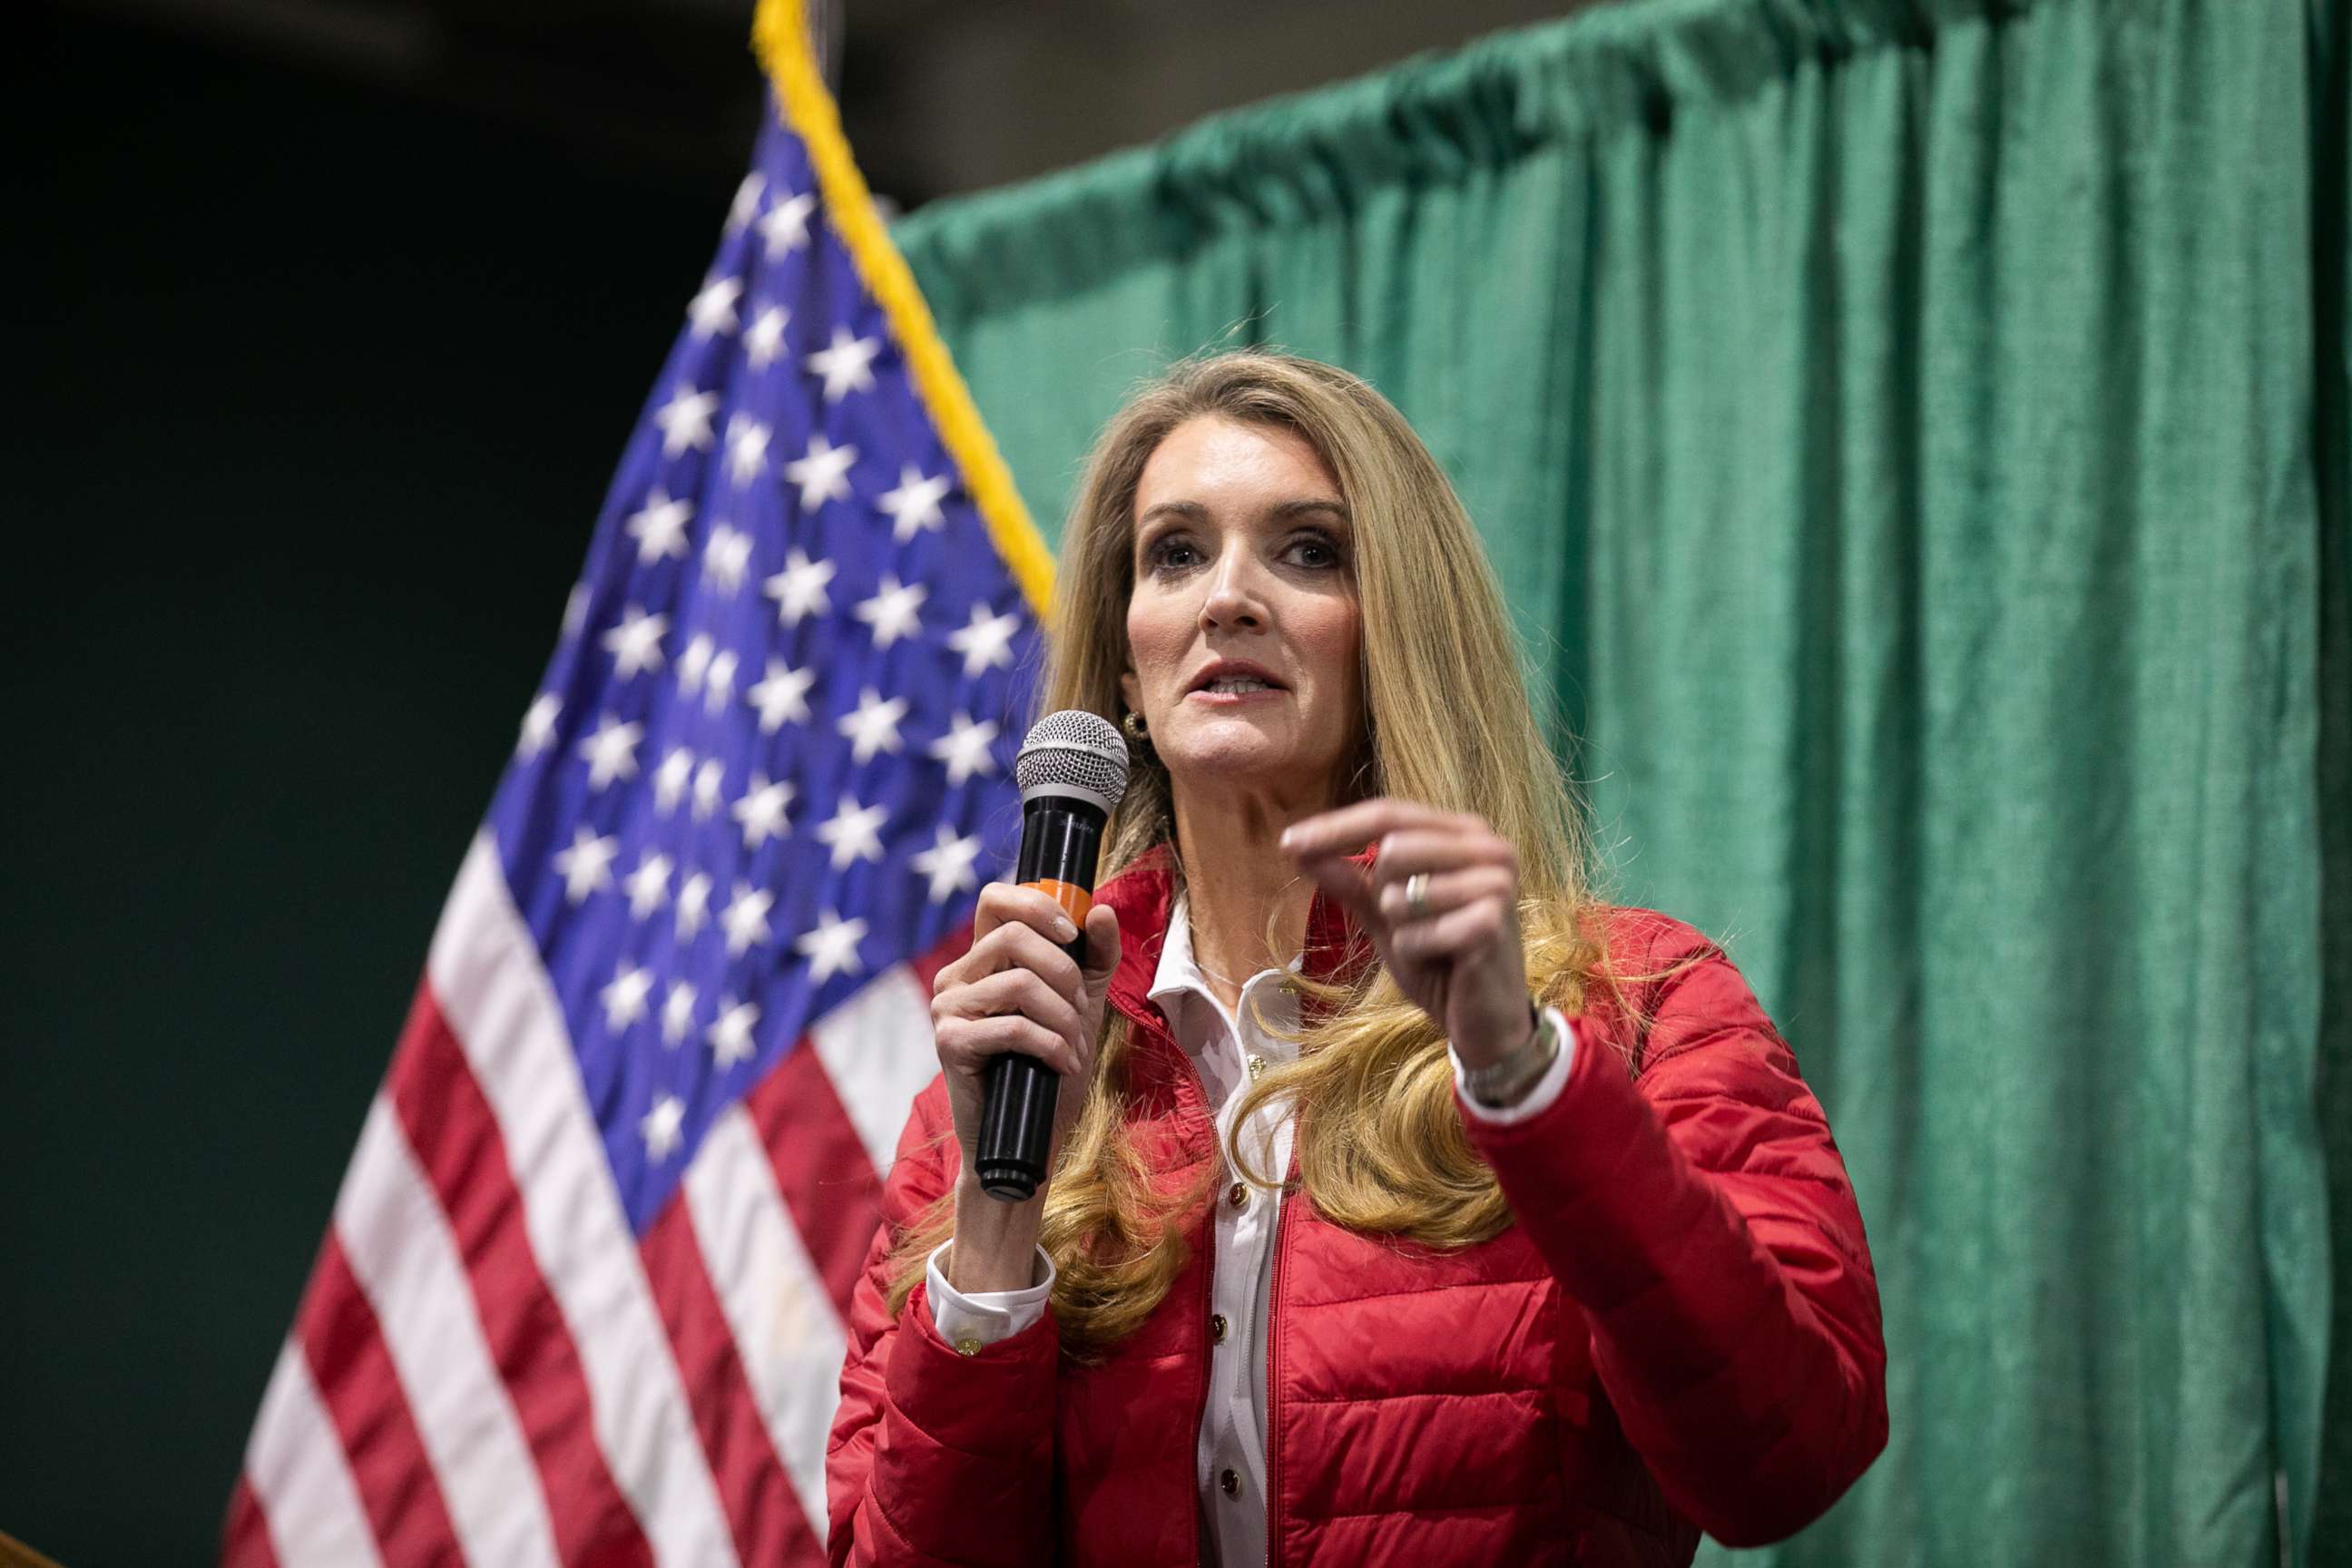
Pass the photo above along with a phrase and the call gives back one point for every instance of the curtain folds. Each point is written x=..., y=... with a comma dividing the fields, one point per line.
x=1912, y=437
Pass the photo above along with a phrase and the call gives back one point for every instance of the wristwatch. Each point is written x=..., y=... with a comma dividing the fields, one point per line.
x=1504, y=1083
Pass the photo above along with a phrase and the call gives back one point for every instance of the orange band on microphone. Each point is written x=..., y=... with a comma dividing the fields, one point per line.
x=1075, y=901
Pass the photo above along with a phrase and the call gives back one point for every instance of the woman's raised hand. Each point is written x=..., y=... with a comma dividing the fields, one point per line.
x=1459, y=958
x=1016, y=990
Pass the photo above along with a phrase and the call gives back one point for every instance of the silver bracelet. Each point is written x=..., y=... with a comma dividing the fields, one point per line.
x=1506, y=1081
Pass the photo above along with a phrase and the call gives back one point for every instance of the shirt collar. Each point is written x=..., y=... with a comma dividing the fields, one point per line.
x=1179, y=970
x=1143, y=896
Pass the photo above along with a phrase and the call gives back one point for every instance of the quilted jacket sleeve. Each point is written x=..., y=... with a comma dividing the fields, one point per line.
x=936, y=1456
x=1701, y=1216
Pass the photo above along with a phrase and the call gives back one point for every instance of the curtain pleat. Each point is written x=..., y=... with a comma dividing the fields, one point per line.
x=1911, y=436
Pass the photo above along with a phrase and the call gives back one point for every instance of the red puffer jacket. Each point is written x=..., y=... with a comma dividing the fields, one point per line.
x=1679, y=1334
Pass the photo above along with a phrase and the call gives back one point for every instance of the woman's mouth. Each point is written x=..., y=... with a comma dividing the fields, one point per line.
x=1235, y=690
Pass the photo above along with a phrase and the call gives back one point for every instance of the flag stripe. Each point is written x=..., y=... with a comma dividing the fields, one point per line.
x=300, y=1478
x=485, y=974
x=768, y=1523
x=776, y=1303
x=342, y=1345
x=449, y=1126
x=877, y=1048
x=820, y=1168
x=245, y=1540
x=398, y=1244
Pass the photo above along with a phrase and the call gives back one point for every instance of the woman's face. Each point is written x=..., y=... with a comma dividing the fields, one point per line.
x=1242, y=628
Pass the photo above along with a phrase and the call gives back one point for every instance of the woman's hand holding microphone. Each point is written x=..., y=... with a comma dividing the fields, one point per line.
x=1016, y=990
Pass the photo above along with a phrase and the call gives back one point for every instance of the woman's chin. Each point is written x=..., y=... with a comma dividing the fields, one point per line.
x=1224, y=752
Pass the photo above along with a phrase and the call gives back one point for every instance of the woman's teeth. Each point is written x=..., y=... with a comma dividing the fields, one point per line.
x=1238, y=684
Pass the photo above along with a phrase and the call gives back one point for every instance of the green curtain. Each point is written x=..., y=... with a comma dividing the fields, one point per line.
x=1911, y=436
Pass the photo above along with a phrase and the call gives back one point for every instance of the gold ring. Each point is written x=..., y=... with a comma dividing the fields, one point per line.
x=1416, y=895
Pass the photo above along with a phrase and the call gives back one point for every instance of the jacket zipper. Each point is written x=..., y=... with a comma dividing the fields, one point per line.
x=1208, y=1273
x=1273, y=1358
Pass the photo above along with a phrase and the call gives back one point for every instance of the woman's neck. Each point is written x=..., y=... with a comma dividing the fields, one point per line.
x=1237, y=880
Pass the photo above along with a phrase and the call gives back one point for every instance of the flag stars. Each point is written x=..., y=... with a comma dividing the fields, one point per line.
x=854, y=833
x=694, y=664
x=664, y=1127
x=761, y=811
x=624, y=997
x=785, y=227
x=746, y=204
x=782, y=697
x=685, y=421
x=799, y=589
x=949, y=864
x=745, y=919
x=914, y=505
x=873, y=725
x=747, y=448
x=986, y=642
x=721, y=688
x=636, y=643
x=725, y=557
x=587, y=865
x=823, y=473
x=612, y=752
x=671, y=778
x=846, y=365
x=537, y=725
x=765, y=341
x=891, y=612
x=708, y=780
x=968, y=748
x=648, y=885
x=661, y=527
x=677, y=1013
x=712, y=311
x=730, y=1036
x=832, y=948
x=693, y=905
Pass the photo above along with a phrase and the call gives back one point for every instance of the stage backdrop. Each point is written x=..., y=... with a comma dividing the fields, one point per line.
x=1910, y=435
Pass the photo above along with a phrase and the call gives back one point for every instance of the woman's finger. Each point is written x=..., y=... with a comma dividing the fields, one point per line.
x=1011, y=990
x=1009, y=903
x=1452, y=934
x=968, y=1043
x=1414, y=850
x=1445, y=892
x=1012, y=945
x=1346, y=830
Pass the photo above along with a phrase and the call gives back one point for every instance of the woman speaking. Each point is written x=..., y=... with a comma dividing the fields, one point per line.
x=1411, y=1204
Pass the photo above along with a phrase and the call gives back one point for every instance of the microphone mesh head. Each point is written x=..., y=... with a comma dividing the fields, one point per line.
x=1073, y=753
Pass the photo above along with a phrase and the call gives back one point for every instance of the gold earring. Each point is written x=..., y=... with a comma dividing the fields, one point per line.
x=1133, y=725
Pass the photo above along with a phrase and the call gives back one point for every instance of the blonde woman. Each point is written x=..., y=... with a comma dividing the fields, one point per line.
x=1411, y=1204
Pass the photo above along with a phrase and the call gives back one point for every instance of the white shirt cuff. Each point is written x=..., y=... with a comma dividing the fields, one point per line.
x=1538, y=1099
x=984, y=1317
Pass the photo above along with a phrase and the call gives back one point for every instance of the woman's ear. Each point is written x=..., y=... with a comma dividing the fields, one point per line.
x=1131, y=690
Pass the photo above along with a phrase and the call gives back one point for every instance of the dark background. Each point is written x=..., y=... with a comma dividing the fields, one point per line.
x=329, y=322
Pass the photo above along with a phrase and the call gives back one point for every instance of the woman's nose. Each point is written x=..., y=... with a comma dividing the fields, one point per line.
x=1232, y=598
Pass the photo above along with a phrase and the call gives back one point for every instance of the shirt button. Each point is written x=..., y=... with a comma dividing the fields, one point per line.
x=1231, y=1483
x=1238, y=1196
x=1217, y=1327
x=1257, y=1068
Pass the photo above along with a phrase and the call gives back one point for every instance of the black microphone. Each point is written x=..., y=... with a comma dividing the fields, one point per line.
x=1072, y=771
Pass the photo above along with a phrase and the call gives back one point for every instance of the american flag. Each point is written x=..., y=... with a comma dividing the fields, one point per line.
x=583, y=1297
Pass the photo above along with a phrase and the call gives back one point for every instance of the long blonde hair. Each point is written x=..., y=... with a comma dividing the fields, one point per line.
x=1447, y=722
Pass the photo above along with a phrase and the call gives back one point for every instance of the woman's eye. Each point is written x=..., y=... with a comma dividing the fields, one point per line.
x=1315, y=551
x=1173, y=553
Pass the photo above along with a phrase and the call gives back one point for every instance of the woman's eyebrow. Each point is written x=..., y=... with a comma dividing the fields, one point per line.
x=1193, y=512
x=1290, y=508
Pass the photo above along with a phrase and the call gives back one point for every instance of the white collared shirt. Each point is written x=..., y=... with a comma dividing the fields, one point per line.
x=1229, y=1050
